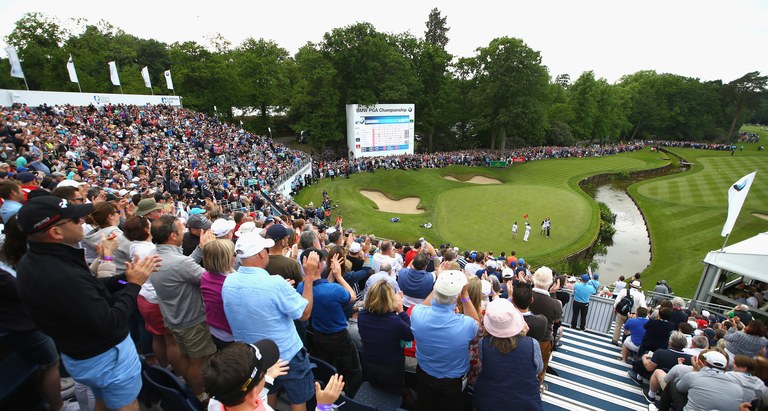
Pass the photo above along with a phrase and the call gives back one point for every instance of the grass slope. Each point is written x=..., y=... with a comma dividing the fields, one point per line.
x=480, y=216
x=686, y=212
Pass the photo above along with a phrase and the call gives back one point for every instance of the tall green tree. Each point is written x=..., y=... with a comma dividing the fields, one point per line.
x=262, y=77
x=512, y=90
x=744, y=93
x=437, y=29
x=38, y=40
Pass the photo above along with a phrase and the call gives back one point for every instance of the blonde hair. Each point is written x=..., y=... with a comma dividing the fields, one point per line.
x=380, y=299
x=217, y=256
x=475, y=291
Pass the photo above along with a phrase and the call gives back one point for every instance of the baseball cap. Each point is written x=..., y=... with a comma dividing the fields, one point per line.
x=277, y=232
x=25, y=177
x=450, y=282
x=507, y=273
x=715, y=359
x=40, y=213
x=199, y=221
x=245, y=227
x=221, y=227
x=502, y=319
x=250, y=244
x=585, y=277
x=485, y=287
x=595, y=276
x=355, y=248
x=145, y=206
x=69, y=183
x=265, y=355
x=635, y=284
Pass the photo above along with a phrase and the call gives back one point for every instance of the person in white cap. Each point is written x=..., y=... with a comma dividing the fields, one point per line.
x=711, y=388
x=633, y=294
x=443, y=343
x=259, y=305
x=223, y=228
x=507, y=351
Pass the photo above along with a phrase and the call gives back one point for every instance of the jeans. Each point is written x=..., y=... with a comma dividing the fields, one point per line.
x=339, y=350
x=579, y=312
x=438, y=394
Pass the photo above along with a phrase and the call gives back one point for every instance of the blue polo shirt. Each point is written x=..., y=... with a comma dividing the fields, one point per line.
x=443, y=339
x=582, y=291
x=259, y=305
x=328, y=304
x=636, y=328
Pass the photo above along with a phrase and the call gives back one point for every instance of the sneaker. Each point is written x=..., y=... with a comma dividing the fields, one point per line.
x=70, y=405
x=635, y=378
x=648, y=397
x=543, y=387
x=652, y=407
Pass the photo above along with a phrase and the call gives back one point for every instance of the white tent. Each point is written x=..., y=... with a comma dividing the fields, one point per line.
x=748, y=258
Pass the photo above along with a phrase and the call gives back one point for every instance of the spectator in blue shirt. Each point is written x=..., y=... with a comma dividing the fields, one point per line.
x=443, y=348
x=332, y=341
x=581, y=293
x=635, y=327
x=259, y=306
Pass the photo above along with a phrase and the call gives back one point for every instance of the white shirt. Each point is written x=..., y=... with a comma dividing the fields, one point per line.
x=637, y=297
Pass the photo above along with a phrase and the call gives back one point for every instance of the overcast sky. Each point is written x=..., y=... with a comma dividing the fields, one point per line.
x=707, y=39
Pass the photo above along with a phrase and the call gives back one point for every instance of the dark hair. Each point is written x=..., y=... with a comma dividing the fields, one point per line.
x=522, y=295
x=756, y=327
x=332, y=252
x=101, y=212
x=745, y=361
x=420, y=261
x=227, y=370
x=7, y=187
x=665, y=313
x=685, y=328
x=642, y=312
x=136, y=228
x=162, y=228
x=68, y=193
x=92, y=193
x=238, y=216
x=15, y=245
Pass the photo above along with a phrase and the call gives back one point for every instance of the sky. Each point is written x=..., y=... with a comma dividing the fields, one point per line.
x=705, y=39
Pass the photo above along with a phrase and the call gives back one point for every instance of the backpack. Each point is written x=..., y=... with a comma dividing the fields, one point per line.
x=624, y=307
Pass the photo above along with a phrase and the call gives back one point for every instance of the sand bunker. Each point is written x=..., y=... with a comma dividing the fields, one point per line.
x=761, y=215
x=476, y=180
x=405, y=206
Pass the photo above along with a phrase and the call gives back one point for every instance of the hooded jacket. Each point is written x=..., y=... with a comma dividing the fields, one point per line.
x=752, y=386
x=94, y=236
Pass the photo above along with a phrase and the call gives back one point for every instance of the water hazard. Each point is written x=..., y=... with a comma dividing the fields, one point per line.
x=630, y=252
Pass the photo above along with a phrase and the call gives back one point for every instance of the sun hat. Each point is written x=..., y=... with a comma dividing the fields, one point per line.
x=221, y=227
x=250, y=244
x=146, y=206
x=502, y=319
x=40, y=213
x=450, y=282
x=245, y=227
x=69, y=183
x=635, y=284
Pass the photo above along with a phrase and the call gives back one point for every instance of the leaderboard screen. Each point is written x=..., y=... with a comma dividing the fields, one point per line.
x=380, y=130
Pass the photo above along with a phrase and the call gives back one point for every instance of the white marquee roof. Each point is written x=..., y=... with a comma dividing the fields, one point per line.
x=748, y=258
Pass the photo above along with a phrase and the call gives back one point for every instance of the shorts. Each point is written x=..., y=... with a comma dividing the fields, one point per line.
x=34, y=346
x=195, y=341
x=630, y=345
x=299, y=383
x=114, y=376
x=153, y=319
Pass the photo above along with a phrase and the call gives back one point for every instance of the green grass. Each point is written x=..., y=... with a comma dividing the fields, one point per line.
x=686, y=212
x=480, y=216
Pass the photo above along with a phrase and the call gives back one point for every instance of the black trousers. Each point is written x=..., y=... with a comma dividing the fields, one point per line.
x=339, y=350
x=579, y=312
x=438, y=394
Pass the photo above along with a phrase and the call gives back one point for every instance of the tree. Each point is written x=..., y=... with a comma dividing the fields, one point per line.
x=745, y=94
x=437, y=31
x=261, y=75
x=38, y=40
x=512, y=91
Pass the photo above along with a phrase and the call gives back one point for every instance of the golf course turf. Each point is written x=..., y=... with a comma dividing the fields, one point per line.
x=685, y=211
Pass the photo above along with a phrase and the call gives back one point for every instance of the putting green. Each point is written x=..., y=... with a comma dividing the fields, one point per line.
x=482, y=218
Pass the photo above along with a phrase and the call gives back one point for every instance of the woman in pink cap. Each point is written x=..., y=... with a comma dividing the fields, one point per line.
x=511, y=362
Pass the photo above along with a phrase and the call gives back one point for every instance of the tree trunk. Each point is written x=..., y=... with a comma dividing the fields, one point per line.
x=429, y=139
x=503, y=137
x=493, y=138
x=736, y=116
x=637, y=128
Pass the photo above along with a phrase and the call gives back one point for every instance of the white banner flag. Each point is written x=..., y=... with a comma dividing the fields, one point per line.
x=15, y=63
x=71, y=70
x=145, y=76
x=737, y=193
x=113, y=74
x=168, y=80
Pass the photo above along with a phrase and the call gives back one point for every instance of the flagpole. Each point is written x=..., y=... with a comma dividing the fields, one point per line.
x=78, y=87
x=726, y=240
x=121, y=89
x=25, y=83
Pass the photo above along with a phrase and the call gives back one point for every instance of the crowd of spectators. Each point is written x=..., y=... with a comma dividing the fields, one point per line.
x=111, y=213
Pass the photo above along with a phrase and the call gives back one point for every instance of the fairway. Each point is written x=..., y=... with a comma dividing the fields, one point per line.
x=476, y=216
